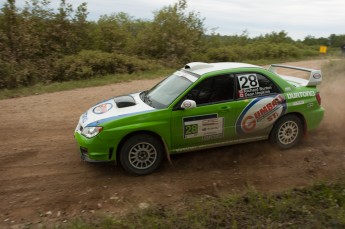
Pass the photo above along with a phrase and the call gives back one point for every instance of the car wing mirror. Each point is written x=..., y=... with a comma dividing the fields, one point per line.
x=188, y=104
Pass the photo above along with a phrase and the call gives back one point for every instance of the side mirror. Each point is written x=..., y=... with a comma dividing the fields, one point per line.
x=188, y=104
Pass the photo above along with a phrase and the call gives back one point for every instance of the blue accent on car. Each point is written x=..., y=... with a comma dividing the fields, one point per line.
x=97, y=123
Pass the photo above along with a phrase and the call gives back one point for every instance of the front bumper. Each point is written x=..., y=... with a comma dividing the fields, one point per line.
x=94, y=150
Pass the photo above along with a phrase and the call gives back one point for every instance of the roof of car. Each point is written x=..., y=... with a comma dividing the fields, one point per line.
x=201, y=68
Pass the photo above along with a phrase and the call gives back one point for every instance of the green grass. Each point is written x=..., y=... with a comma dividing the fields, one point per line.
x=69, y=85
x=319, y=206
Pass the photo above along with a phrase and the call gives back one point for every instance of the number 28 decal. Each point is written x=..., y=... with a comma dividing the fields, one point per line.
x=208, y=126
x=248, y=81
x=191, y=129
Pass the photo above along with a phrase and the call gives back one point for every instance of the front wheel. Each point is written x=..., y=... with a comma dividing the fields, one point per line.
x=141, y=154
x=287, y=132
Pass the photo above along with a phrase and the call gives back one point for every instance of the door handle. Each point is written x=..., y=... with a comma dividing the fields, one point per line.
x=224, y=108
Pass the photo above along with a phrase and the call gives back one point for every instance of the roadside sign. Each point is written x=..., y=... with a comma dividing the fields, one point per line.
x=323, y=49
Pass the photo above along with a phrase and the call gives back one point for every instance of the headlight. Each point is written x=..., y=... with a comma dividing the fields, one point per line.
x=91, y=131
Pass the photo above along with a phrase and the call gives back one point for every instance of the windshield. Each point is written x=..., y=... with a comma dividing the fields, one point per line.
x=164, y=93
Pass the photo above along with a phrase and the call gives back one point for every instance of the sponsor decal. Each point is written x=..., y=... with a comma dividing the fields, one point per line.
x=254, y=92
x=187, y=76
x=102, y=108
x=84, y=117
x=249, y=86
x=208, y=127
x=248, y=81
x=241, y=93
x=297, y=103
x=260, y=114
x=317, y=76
x=187, y=104
x=302, y=94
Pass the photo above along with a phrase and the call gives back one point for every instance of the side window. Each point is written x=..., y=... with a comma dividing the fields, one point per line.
x=213, y=90
x=253, y=85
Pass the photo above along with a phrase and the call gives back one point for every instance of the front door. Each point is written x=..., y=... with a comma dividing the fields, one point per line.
x=214, y=118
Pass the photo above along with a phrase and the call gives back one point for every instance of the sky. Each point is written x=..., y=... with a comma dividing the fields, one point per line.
x=299, y=18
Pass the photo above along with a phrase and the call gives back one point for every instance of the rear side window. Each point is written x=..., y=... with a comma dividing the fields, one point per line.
x=251, y=85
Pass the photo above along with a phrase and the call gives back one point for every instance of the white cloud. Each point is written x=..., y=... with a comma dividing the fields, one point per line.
x=297, y=17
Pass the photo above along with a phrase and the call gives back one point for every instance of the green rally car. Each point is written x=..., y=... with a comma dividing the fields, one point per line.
x=202, y=105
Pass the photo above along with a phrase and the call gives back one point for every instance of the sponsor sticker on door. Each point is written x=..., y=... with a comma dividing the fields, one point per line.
x=207, y=127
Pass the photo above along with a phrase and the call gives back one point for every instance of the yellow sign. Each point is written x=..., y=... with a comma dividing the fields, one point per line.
x=323, y=49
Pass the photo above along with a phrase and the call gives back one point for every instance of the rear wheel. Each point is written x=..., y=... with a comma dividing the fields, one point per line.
x=141, y=154
x=287, y=132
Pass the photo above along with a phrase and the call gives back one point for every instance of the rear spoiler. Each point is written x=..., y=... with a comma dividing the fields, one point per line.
x=315, y=77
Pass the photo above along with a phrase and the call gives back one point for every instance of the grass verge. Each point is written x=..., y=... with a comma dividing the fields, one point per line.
x=318, y=206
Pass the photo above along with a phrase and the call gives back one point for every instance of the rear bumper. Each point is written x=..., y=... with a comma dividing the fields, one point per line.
x=314, y=118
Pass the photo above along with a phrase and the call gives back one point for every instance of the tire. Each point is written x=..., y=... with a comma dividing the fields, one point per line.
x=141, y=154
x=287, y=132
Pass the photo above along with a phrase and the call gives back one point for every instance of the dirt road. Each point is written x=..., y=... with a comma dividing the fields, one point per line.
x=42, y=178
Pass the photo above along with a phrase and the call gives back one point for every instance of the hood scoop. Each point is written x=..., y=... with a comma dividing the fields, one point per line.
x=124, y=101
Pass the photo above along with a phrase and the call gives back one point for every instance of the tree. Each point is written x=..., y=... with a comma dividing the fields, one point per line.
x=113, y=33
x=276, y=38
x=9, y=31
x=173, y=35
x=337, y=40
x=82, y=28
x=311, y=40
x=33, y=38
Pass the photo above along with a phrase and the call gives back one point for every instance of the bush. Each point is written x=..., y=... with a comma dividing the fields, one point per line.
x=229, y=53
x=7, y=75
x=88, y=64
x=84, y=65
x=25, y=73
x=259, y=51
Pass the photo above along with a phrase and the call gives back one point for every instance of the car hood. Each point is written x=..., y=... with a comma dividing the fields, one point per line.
x=112, y=109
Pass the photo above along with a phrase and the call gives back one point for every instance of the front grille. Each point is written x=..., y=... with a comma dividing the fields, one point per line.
x=83, y=150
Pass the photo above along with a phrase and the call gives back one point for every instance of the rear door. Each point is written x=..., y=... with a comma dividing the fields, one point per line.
x=262, y=104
